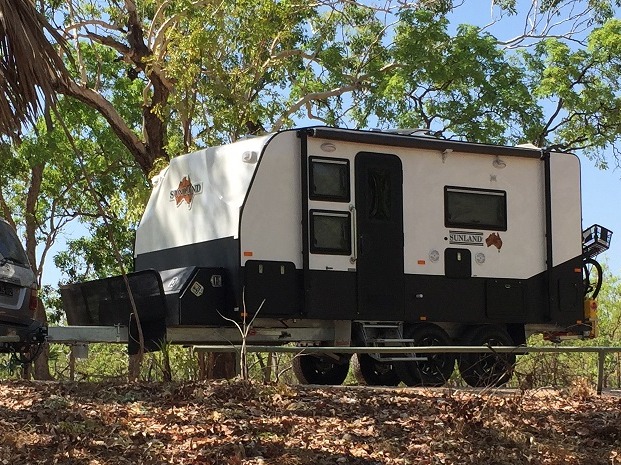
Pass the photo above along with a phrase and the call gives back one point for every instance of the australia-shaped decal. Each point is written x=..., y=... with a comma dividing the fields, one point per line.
x=494, y=240
x=185, y=192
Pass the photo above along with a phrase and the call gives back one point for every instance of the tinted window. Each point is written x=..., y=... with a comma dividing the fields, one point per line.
x=475, y=208
x=330, y=232
x=329, y=179
x=10, y=247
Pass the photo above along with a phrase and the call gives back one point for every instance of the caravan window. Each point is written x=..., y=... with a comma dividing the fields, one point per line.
x=330, y=232
x=475, y=208
x=329, y=179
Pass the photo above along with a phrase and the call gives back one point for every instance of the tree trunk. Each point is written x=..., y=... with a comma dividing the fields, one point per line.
x=202, y=366
x=133, y=368
x=166, y=367
x=221, y=365
x=41, y=369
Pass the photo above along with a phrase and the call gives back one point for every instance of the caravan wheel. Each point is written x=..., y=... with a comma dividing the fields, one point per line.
x=438, y=368
x=487, y=369
x=316, y=369
x=369, y=371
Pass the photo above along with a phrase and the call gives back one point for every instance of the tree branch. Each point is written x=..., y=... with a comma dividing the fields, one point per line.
x=312, y=97
x=129, y=139
x=91, y=22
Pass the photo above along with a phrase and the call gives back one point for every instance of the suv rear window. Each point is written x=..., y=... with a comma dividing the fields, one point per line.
x=10, y=246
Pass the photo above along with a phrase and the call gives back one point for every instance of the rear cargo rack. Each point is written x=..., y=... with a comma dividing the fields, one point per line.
x=595, y=240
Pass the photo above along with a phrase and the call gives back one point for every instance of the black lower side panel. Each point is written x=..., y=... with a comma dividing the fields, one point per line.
x=221, y=253
x=287, y=292
x=542, y=299
x=279, y=288
x=273, y=287
x=438, y=298
x=498, y=300
x=327, y=294
x=331, y=295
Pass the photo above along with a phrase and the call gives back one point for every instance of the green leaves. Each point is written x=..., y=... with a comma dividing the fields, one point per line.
x=230, y=65
x=462, y=85
x=585, y=86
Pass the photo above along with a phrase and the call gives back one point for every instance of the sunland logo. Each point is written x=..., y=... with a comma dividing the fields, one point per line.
x=466, y=238
x=185, y=192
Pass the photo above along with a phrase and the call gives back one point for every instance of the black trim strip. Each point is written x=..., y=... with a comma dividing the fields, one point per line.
x=305, y=227
x=398, y=140
x=545, y=156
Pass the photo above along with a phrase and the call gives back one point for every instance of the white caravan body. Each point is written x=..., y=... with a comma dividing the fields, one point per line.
x=339, y=224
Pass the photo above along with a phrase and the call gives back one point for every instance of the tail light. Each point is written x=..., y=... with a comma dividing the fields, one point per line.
x=34, y=301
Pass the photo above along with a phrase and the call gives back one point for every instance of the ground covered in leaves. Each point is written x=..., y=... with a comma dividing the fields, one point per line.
x=240, y=423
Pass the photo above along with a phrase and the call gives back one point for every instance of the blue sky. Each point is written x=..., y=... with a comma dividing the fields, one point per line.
x=601, y=200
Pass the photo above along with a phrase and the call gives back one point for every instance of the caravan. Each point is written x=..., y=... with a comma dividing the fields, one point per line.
x=384, y=238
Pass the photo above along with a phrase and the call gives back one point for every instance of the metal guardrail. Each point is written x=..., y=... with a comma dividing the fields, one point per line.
x=518, y=350
x=118, y=334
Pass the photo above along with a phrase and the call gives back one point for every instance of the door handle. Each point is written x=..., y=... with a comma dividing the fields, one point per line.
x=354, y=242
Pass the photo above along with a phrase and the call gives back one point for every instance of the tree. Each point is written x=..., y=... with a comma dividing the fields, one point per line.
x=460, y=86
x=209, y=74
x=554, y=93
x=609, y=324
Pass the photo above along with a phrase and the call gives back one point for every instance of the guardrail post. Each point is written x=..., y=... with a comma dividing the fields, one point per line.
x=71, y=362
x=601, y=357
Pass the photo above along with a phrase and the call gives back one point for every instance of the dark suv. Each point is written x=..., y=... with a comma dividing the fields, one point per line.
x=18, y=295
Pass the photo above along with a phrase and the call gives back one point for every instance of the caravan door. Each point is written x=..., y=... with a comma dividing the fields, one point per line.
x=379, y=236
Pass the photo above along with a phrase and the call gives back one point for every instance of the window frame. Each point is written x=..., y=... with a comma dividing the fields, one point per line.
x=480, y=191
x=316, y=250
x=323, y=197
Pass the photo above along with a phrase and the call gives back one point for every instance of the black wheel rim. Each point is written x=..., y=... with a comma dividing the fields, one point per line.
x=433, y=367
